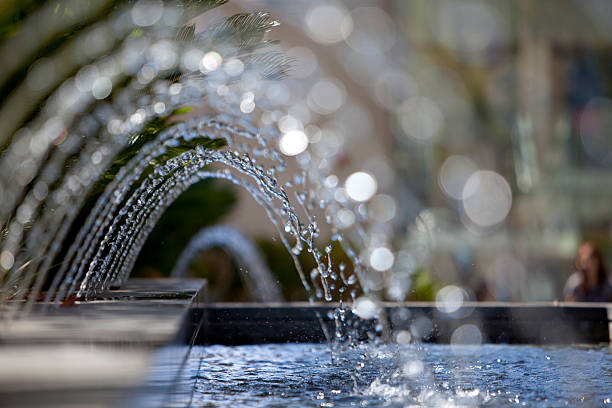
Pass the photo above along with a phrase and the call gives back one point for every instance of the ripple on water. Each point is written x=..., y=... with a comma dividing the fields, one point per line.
x=303, y=375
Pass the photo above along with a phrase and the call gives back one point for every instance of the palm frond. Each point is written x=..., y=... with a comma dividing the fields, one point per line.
x=241, y=31
x=270, y=65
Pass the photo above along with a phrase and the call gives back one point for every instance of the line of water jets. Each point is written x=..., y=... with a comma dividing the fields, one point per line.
x=98, y=90
x=50, y=164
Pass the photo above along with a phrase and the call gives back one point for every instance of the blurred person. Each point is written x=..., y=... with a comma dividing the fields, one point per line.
x=590, y=282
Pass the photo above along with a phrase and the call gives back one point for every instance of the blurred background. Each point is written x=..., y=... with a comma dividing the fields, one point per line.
x=471, y=137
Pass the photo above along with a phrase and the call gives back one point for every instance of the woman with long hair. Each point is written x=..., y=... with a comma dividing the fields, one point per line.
x=590, y=282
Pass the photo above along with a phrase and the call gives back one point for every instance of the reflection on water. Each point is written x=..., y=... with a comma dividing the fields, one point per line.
x=309, y=375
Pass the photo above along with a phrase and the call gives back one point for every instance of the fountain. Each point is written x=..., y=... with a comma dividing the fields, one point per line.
x=255, y=271
x=60, y=168
x=96, y=154
x=109, y=113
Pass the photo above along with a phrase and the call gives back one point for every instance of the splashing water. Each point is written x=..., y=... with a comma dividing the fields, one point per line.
x=302, y=375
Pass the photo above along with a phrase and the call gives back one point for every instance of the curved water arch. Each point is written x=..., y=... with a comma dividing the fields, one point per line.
x=117, y=252
x=89, y=251
x=88, y=130
x=256, y=273
x=75, y=127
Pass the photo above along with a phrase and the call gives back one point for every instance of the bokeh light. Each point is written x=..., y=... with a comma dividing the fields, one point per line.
x=233, y=67
x=6, y=260
x=147, y=12
x=293, y=142
x=101, y=88
x=366, y=308
x=373, y=31
x=211, y=61
x=345, y=218
x=403, y=337
x=329, y=23
x=360, y=186
x=454, y=173
x=326, y=96
x=465, y=335
x=421, y=119
x=86, y=78
x=381, y=259
x=450, y=298
x=382, y=208
x=487, y=198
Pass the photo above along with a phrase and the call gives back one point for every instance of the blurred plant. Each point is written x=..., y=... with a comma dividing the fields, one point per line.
x=201, y=205
x=280, y=263
x=224, y=283
x=424, y=286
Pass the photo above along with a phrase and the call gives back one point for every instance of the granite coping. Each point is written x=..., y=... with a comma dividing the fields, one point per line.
x=96, y=353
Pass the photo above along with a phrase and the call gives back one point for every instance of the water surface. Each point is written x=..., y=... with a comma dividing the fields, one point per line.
x=304, y=375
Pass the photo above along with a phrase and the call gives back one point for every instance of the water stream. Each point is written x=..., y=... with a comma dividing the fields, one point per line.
x=93, y=116
x=255, y=271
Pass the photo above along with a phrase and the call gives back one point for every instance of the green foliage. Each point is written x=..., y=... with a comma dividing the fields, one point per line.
x=4, y=231
x=13, y=12
x=12, y=16
x=149, y=132
x=223, y=278
x=281, y=264
x=194, y=7
x=423, y=286
x=243, y=31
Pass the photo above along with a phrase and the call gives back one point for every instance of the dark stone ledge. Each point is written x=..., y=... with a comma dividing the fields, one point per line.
x=515, y=323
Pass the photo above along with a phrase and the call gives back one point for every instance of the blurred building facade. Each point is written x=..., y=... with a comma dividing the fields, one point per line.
x=523, y=88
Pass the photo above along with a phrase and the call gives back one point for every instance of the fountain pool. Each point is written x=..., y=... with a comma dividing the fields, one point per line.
x=306, y=375
x=253, y=355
